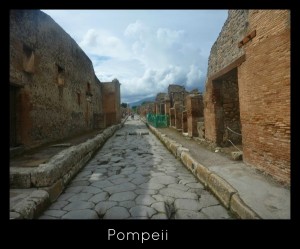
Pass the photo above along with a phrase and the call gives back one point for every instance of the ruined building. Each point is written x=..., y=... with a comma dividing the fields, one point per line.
x=247, y=97
x=177, y=96
x=184, y=109
x=111, y=102
x=54, y=92
x=160, y=103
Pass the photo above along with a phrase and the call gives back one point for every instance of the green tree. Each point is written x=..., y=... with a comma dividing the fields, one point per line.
x=124, y=105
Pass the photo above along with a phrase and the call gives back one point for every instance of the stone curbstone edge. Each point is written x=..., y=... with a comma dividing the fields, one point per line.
x=228, y=195
x=62, y=167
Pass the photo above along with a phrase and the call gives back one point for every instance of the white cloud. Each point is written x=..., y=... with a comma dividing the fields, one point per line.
x=102, y=43
x=154, y=59
x=193, y=76
x=145, y=50
x=135, y=30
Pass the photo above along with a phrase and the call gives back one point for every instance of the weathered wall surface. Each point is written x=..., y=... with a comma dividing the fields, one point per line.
x=176, y=93
x=263, y=74
x=227, y=108
x=264, y=83
x=111, y=102
x=224, y=52
x=57, y=93
x=194, y=107
x=225, y=49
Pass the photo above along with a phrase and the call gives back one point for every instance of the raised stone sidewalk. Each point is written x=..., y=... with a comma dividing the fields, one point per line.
x=245, y=192
x=33, y=189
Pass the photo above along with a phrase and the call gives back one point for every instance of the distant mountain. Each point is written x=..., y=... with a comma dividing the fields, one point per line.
x=136, y=103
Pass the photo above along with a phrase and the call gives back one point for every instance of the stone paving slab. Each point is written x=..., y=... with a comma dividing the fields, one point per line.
x=134, y=177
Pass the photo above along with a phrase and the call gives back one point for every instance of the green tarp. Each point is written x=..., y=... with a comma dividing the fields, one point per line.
x=158, y=120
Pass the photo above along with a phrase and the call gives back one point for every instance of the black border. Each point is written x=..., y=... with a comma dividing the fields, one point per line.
x=191, y=233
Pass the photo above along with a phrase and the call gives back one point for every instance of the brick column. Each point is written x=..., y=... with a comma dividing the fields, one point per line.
x=167, y=107
x=194, y=113
x=178, y=116
x=172, y=117
x=184, y=122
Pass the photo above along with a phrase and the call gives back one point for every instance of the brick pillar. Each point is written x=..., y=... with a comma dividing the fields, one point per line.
x=172, y=117
x=184, y=122
x=178, y=116
x=167, y=107
x=194, y=113
x=157, y=108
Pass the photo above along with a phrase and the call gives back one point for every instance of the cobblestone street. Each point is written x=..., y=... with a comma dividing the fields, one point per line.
x=133, y=176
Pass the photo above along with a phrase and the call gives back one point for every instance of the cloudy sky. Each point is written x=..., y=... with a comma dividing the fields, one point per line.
x=146, y=50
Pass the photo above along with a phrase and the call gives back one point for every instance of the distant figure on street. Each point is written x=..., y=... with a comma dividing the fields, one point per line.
x=132, y=115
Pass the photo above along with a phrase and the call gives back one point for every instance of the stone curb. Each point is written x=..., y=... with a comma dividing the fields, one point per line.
x=52, y=177
x=32, y=206
x=227, y=194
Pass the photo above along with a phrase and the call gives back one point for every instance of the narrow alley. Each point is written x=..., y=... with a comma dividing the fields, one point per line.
x=133, y=176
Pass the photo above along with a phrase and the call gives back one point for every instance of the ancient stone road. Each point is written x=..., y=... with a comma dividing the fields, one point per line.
x=133, y=176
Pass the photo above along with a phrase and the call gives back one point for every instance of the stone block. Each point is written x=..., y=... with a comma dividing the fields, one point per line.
x=25, y=208
x=202, y=173
x=19, y=177
x=237, y=155
x=221, y=188
x=55, y=190
x=240, y=208
x=201, y=129
x=41, y=200
x=173, y=147
x=180, y=150
x=184, y=157
x=191, y=163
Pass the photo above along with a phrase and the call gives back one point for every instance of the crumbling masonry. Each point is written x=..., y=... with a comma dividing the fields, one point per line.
x=54, y=92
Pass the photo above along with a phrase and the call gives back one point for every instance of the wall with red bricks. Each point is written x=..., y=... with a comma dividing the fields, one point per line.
x=111, y=102
x=194, y=107
x=264, y=86
x=225, y=49
x=58, y=94
x=224, y=52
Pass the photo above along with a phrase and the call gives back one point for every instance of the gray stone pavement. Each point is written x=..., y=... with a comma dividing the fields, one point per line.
x=133, y=176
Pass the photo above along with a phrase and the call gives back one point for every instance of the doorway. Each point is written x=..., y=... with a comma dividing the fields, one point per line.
x=227, y=109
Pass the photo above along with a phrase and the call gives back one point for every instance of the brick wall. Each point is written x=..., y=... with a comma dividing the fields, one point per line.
x=225, y=49
x=264, y=82
x=172, y=117
x=111, y=102
x=224, y=53
x=194, y=107
x=178, y=115
x=263, y=75
x=184, y=122
x=58, y=94
x=176, y=93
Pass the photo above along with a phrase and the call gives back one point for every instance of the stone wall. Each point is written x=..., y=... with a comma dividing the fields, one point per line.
x=178, y=115
x=52, y=80
x=264, y=85
x=256, y=45
x=177, y=94
x=111, y=102
x=225, y=49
